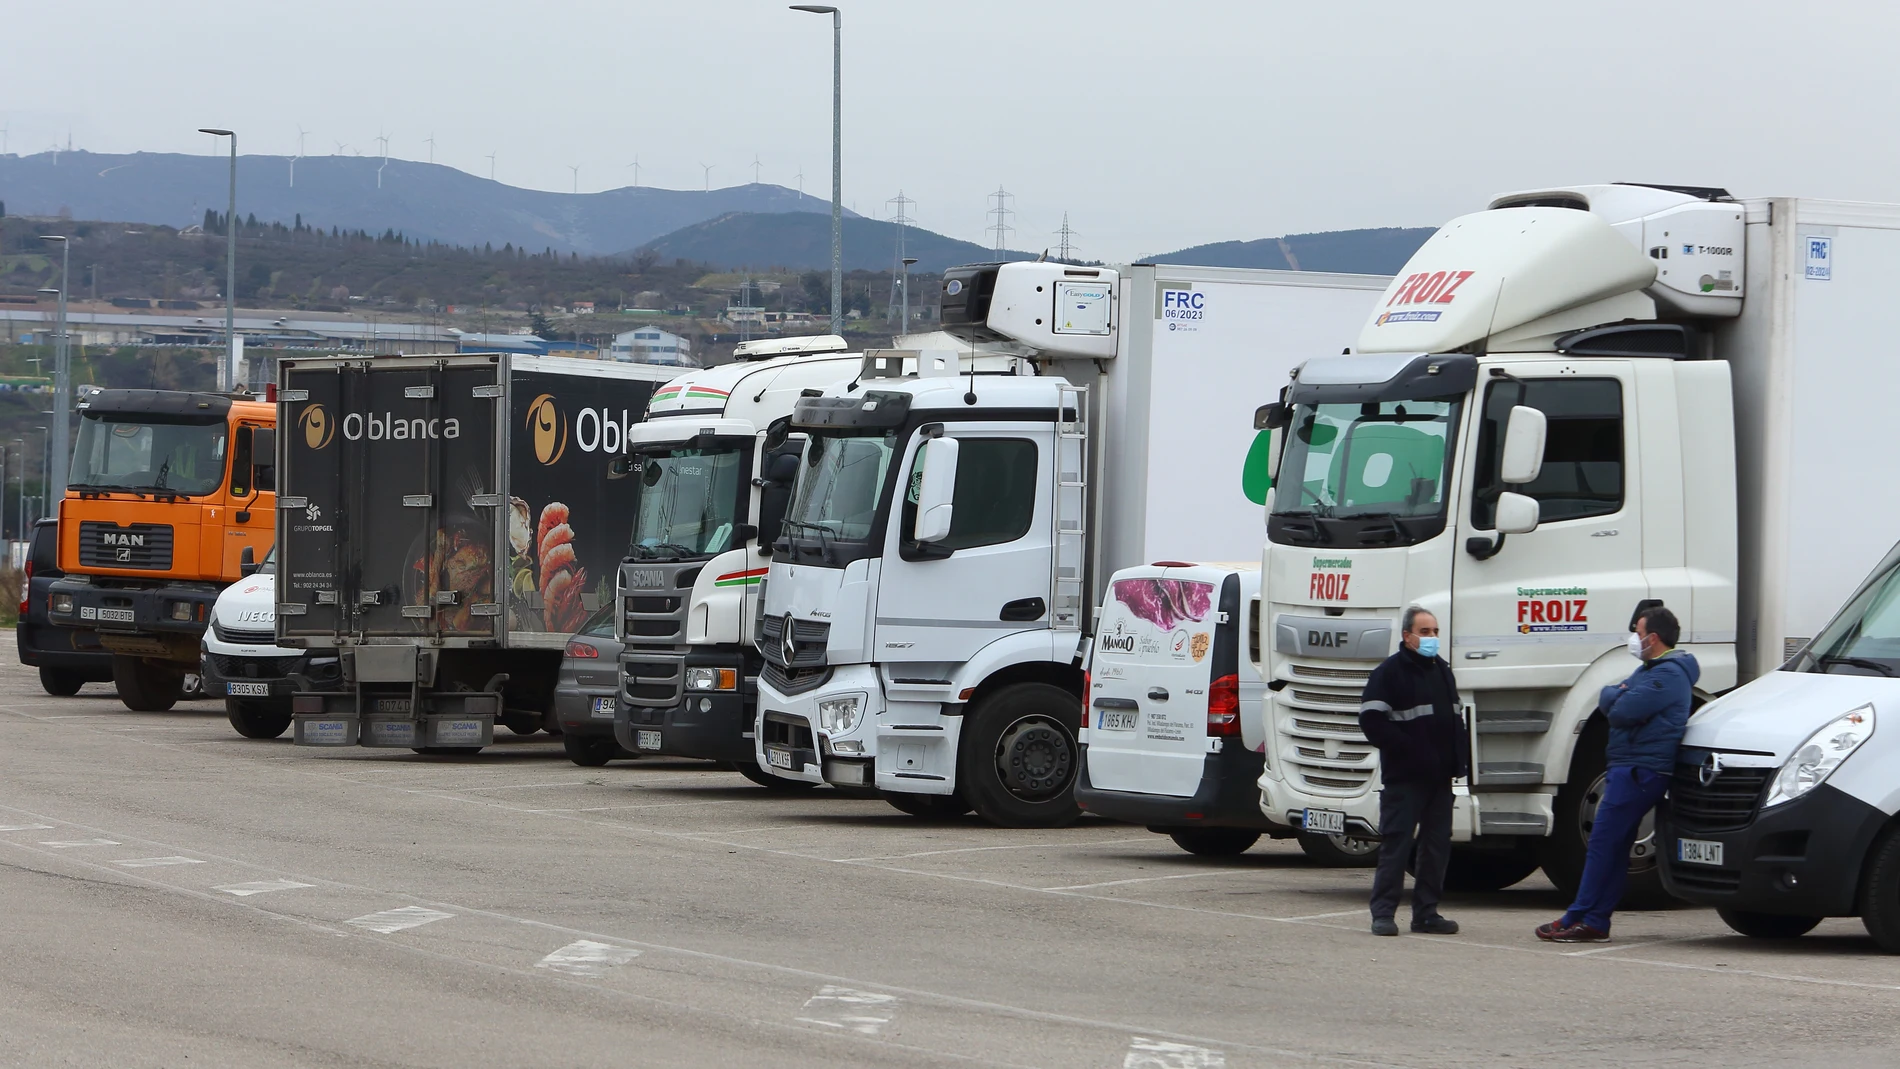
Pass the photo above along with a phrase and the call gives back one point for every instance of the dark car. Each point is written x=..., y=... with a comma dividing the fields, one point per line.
x=587, y=691
x=67, y=657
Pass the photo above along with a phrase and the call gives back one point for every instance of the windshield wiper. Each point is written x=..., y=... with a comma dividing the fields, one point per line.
x=1861, y=662
x=824, y=536
x=678, y=551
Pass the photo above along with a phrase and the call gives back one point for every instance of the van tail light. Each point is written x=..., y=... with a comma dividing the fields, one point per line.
x=1223, y=707
x=1086, y=680
x=29, y=568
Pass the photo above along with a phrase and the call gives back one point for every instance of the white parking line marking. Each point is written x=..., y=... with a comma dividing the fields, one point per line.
x=1145, y=1053
x=585, y=957
x=982, y=849
x=846, y=1008
x=1140, y=879
x=81, y=842
x=396, y=920
x=26, y=827
x=1325, y=916
x=155, y=862
x=258, y=887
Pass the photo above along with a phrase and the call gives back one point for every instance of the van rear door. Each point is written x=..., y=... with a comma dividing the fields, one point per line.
x=1150, y=673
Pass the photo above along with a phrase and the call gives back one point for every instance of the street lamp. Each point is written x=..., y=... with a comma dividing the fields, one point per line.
x=837, y=165
x=62, y=375
x=228, y=366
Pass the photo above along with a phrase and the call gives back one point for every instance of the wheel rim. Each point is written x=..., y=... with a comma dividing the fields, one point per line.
x=1352, y=846
x=1035, y=758
x=1643, y=850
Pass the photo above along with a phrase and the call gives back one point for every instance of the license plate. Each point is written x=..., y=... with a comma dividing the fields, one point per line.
x=1119, y=719
x=115, y=616
x=392, y=705
x=604, y=710
x=1699, y=851
x=247, y=690
x=645, y=740
x=779, y=759
x=1324, y=821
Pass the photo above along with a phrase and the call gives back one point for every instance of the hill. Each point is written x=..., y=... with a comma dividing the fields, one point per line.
x=802, y=242
x=1380, y=251
x=420, y=200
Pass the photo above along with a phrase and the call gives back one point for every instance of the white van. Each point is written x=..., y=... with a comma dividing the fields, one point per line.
x=1173, y=736
x=240, y=661
x=1783, y=806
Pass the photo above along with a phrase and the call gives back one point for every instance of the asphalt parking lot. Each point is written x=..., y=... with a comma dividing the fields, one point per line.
x=177, y=895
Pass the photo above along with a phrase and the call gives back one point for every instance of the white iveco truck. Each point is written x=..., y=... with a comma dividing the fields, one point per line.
x=1576, y=404
x=951, y=529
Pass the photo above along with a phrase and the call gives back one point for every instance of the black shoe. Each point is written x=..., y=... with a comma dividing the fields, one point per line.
x=1436, y=926
x=1384, y=926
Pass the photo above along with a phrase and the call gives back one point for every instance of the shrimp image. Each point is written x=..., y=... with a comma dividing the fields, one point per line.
x=562, y=577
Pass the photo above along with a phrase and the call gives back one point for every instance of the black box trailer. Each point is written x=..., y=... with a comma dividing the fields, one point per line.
x=447, y=522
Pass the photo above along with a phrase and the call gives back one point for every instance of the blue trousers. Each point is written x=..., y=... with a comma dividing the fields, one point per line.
x=1628, y=793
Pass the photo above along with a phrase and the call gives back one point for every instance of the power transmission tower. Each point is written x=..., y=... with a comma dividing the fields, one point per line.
x=1000, y=214
x=900, y=274
x=1065, y=238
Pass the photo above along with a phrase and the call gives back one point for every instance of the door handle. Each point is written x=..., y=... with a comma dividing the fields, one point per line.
x=1157, y=694
x=1023, y=610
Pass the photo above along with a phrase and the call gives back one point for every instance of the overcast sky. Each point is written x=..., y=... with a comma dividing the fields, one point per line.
x=1155, y=124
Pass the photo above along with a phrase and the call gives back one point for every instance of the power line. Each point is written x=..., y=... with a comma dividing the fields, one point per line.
x=1000, y=214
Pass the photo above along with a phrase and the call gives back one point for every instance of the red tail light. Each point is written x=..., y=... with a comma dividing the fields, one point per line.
x=270, y=392
x=581, y=649
x=1085, y=698
x=1223, y=707
x=29, y=568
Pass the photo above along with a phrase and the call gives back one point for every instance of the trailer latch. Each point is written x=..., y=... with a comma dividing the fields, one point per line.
x=292, y=502
x=369, y=597
x=419, y=392
x=448, y=597
x=417, y=501
x=485, y=608
x=326, y=597
x=293, y=395
x=419, y=611
x=484, y=501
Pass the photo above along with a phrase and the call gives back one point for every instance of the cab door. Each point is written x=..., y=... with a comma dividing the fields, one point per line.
x=253, y=499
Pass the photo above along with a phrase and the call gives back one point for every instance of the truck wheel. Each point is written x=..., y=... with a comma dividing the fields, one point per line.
x=145, y=687
x=1766, y=925
x=1562, y=853
x=256, y=720
x=61, y=682
x=1482, y=871
x=770, y=782
x=927, y=806
x=1340, y=851
x=590, y=751
x=522, y=723
x=1214, y=842
x=1017, y=760
x=1880, y=893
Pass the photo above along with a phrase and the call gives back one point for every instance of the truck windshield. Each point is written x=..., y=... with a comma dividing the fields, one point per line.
x=688, y=503
x=148, y=456
x=1365, y=473
x=1865, y=638
x=840, y=487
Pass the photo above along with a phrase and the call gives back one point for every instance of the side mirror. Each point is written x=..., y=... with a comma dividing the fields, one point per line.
x=247, y=563
x=936, y=488
x=1523, y=457
x=1517, y=513
x=622, y=466
x=1272, y=417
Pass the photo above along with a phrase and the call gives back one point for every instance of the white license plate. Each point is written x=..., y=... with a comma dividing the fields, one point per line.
x=604, y=710
x=1119, y=719
x=1699, y=851
x=779, y=758
x=646, y=740
x=247, y=690
x=1324, y=821
x=115, y=616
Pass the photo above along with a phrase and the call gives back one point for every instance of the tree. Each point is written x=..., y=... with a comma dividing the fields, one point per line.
x=538, y=324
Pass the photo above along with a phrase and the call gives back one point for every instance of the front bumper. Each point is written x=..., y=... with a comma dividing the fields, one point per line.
x=1284, y=807
x=1228, y=795
x=138, y=620
x=785, y=728
x=1802, y=857
x=77, y=649
x=710, y=725
x=274, y=673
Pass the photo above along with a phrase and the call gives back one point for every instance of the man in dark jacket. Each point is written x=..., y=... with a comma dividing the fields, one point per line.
x=1648, y=713
x=1410, y=712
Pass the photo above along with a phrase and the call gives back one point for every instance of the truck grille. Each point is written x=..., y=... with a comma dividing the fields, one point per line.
x=251, y=667
x=243, y=637
x=651, y=613
x=652, y=680
x=796, y=680
x=1725, y=804
x=809, y=638
x=136, y=545
x=1321, y=747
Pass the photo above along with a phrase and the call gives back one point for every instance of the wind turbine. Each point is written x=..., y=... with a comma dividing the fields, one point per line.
x=707, y=166
x=301, y=134
x=755, y=168
x=636, y=170
x=340, y=146
x=430, y=140
x=576, y=168
x=800, y=176
x=491, y=167
x=379, y=169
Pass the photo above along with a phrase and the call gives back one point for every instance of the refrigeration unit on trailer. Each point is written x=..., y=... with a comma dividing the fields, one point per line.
x=448, y=522
x=952, y=525
x=1576, y=404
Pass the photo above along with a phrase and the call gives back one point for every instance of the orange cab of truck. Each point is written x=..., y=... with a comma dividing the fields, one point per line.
x=171, y=494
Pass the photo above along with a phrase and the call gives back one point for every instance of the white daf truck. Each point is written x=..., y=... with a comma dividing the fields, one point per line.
x=952, y=528
x=1578, y=403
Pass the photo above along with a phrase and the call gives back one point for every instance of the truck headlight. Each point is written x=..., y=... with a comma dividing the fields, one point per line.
x=1815, y=759
x=181, y=610
x=62, y=603
x=712, y=679
x=839, y=715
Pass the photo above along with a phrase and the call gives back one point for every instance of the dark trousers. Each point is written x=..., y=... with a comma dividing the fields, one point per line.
x=1629, y=793
x=1412, y=815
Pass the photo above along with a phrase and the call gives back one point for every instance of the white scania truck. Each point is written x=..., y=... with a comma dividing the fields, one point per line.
x=1578, y=403
x=951, y=530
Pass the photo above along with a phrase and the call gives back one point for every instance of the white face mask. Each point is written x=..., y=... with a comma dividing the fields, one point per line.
x=1636, y=645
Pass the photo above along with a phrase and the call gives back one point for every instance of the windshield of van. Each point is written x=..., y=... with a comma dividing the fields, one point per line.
x=148, y=456
x=1376, y=464
x=840, y=486
x=1865, y=638
x=689, y=503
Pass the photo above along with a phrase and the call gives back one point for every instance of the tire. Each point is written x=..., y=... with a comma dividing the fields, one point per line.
x=1562, y=852
x=770, y=782
x=590, y=751
x=1340, y=851
x=927, y=806
x=1483, y=871
x=1880, y=892
x=446, y=751
x=522, y=723
x=145, y=687
x=61, y=682
x=1766, y=925
x=1214, y=842
x=256, y=720
x=1018, y=758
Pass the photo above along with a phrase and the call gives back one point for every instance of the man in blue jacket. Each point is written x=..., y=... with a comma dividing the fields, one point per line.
x=1648, y=713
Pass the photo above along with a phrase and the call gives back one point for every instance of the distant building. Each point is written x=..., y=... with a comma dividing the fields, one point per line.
x=526, y=345
x=581, y=308
x=651, y=345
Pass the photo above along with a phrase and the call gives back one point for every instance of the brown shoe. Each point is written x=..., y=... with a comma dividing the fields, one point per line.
x=1580, y=933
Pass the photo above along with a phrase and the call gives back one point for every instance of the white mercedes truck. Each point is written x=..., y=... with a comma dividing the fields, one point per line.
x=1576, y=404
x=953, y=526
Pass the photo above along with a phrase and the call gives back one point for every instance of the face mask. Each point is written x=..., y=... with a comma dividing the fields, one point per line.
x=1428, y=646
x=1636, y=645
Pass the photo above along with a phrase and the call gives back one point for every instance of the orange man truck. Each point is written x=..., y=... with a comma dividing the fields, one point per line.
x=171, y=495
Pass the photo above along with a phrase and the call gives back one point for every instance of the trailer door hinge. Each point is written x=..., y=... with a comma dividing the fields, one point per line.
x=422, y=392
x=293, y=395
x=417, y=501
x=292, y=502
x=422, y=611
x=485, y=608
x=486, y=391
x=292, y=608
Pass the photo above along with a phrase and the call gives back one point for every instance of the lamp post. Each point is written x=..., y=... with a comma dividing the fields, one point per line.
x=20, y=477
x=62, y=378
x=837, y=165
x=228, y=366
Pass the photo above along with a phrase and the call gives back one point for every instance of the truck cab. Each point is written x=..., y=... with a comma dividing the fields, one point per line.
x=169, y=495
